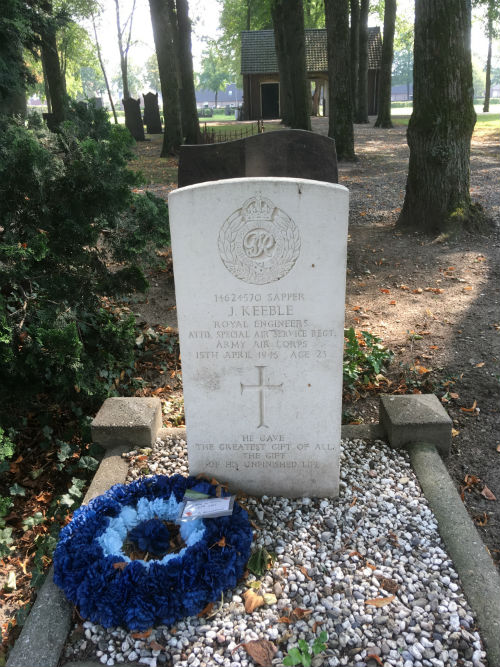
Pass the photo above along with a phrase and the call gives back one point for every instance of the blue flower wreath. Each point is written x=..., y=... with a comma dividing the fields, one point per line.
x=138, y=594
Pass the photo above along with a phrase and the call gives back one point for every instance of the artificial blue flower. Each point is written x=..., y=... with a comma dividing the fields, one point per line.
x=111, y=589
x=151, y=536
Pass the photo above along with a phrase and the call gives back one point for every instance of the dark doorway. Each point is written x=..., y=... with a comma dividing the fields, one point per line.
x=270, y=100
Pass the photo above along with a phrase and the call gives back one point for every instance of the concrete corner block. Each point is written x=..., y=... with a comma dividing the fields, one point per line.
x=416, y=418
x=133, y=422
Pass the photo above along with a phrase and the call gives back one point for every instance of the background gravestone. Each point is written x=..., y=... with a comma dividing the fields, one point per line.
x=259, y=266
x=152, y=118
x=133, y=118
x=295, y=153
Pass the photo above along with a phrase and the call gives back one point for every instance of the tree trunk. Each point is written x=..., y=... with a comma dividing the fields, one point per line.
x=105, y=76
x=437, y=198
x=354, y=35
x=52, y=72
x=45, y=84
x=340, y=125
x=362, y=107
x=123, y=53
x=165, y=53
x=189, y=112
x=292, y=59
x=487, y=89
x=277, y=13
x=384, y=90
x=316, y=97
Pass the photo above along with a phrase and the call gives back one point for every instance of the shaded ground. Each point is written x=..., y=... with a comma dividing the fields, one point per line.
x=436, y=305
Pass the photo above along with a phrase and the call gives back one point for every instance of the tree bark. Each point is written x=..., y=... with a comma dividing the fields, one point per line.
x=189, y=112
x=437, y=198
x=277, y=13
x=290, y=47
x=316, y=97
x=340, y=125
x=165, y=53
x=124, y=49
x=105, y=76
x=45, y=84
x=487, y=89
x=354, y=36
x=52, y=71
x=362, y=106
x=384, y=90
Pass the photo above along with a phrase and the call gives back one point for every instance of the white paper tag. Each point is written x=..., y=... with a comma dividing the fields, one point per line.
x=205, y=509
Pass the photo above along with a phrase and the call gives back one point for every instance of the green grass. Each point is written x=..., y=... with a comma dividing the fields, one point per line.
x=486, y=122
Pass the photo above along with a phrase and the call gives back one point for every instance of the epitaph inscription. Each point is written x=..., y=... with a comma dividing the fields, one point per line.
x=259, y=243
x=261, y=336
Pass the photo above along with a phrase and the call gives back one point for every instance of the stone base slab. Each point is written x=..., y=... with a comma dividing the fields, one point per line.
x=133, y=422
x=416, y=418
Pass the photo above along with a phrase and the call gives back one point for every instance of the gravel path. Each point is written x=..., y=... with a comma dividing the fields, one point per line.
x=377, y=540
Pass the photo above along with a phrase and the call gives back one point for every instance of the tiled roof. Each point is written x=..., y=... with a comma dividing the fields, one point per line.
x=258, y=54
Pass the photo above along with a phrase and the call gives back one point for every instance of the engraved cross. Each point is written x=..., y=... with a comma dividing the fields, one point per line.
x=261, y=387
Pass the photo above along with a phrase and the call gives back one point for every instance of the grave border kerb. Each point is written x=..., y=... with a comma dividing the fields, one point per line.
x=45, y=631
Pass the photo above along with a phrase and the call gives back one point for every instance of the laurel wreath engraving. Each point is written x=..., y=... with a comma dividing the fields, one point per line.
x=255, y=212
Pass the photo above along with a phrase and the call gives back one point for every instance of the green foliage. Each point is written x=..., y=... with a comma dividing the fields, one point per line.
x=15, y=32
x=303, y=654
x=5, y=505
x=216, y=70
x=66, y=213
x=364, y=358
x=260, y=561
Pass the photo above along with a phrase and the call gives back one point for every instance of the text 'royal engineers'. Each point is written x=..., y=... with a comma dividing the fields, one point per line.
x=259, y=268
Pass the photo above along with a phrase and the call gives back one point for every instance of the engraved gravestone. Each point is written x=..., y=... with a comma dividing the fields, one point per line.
x=259, y=266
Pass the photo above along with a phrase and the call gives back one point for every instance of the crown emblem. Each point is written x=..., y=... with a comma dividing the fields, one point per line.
x=258, y=208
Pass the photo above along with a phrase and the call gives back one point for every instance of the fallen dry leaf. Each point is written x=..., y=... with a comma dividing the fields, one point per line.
x=419, y=290
x=470, y=409
x=270, y=598
x=120, y=566
x=206, y=610
x=481, y=520
x=260, y=650
x=252, y=601
x=154, y=646
x=304, y=572
x=220, y=543
x=299, y=613
x=486, y=493
x=141, y=635
x=285, y=619
x=498, y=448
x=480, y=364
x=471, y=480
x=454, y=432
x=380, y=602
x=387, y=584
x=374, y=656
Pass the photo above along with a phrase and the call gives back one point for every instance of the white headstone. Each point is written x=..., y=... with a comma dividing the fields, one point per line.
x=259, y=267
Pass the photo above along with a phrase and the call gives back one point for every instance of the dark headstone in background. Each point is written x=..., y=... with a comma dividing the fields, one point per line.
x=49, y=119
x=284, y=153
x=152, y=113
x=98, y=102
x=133, y=118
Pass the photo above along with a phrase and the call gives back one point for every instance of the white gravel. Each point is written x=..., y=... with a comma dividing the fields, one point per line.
x=378, y=539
